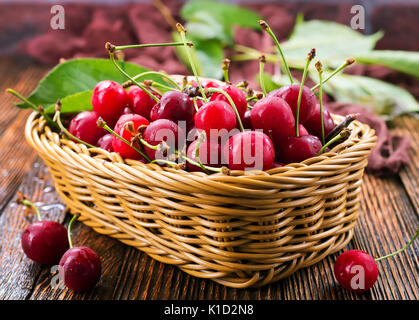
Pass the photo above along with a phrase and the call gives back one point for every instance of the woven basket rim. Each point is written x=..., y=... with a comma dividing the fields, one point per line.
x=362, y=138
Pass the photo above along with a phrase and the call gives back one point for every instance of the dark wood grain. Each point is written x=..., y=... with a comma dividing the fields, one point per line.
x=389, y=216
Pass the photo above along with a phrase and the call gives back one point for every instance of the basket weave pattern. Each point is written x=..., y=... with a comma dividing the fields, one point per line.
x=238, y=230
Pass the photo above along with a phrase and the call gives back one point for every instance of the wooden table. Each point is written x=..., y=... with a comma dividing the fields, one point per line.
x=389, y=217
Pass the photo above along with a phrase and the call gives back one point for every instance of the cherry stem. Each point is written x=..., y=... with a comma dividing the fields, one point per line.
x=74, y=218
x=112, y=57
x=23, y=200
x=233, y=105
x=310, y=57
x=161, y=74
x=182, y=32
x=201, y=137
x=57, y=119
x=342, y=125
x=402, y=249
x=226, y=66
x=195, y=104
x=102, y=124
x=39, y=109
x=338, y=69
x=213, y=169
x=343, y=135
x=112, y=48
x=320, y=71
x=266, y=27
x=262, y=61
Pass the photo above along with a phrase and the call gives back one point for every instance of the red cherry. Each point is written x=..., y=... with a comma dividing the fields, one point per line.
x=175, y=106
x=313, y=123
x=84, y=127
x=109, y=99
x=45, y=242
x=247, y=121
x=297, y=149
x=356, y=270
x=290, y=95
x=80, y=268
x=162, y=130
x=302, y=130
x=237, y=95
x=216, y=115
x=140, y=102
x=249, y=149
x=274, y=116
x=120, y=146
x=206, y=84
x=209, y=154
x=127, y=110
x=105, y=142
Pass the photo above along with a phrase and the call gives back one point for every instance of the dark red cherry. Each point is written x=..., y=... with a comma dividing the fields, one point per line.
x=120, y=146
x=45, y=242
x=247, y=121
x=237, y=95
x=140, y=102
x=209, y=154
x=215, y=115
x=356, y=270
x=297, y=149
x=80, y=268
x=109, y=99
x=313, y=123
x=105, y=142
x=175, y=106
x=274, y=116
x=84, y=127
x=290, y=95
x=249, y=150
x=162, y=130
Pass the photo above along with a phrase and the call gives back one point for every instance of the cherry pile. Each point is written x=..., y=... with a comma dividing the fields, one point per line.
x=49, y=243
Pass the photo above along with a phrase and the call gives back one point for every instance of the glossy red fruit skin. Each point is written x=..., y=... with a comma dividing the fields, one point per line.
x=140, y=102
x=237, y=95
x=80, y=268
x=302, y=131
x=105, y=142
x=45, y=242
x=127, y=110
x=175, y=106
x=162, y=129
x=313, y=123
x=247, y=121
x=250, y=140
x=209, y=154
x=290, y=95
x=109, y=99
x=215, y=115
x=297, y=149
x=126, y=151
x=274, y=116
x=344, y=270
x=206, y=84
x=84, y=127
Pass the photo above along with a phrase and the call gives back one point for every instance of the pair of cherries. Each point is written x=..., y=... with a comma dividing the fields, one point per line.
x=49, y=243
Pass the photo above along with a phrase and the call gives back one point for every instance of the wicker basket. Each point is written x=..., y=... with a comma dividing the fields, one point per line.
x=238, y=230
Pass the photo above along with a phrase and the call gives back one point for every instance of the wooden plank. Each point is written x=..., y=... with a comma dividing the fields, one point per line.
x=409, y=174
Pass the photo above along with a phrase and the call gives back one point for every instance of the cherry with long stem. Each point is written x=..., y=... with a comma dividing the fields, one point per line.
x=348, y=62
x=182, y=31
x=231, y=102
x=320, y=71
x=266, y=28
x=310, y=57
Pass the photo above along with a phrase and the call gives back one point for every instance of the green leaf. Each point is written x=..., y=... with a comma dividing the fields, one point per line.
x=227, y=14
x=380, y=97
x=207, y=56
x=334, y=43
x=203, y=26
x=78, y=75
x=75, y=103
x=403, y=61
